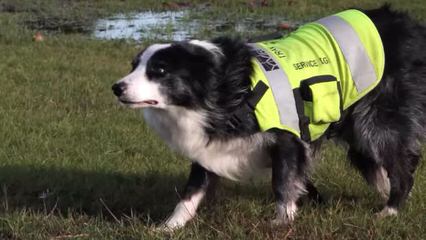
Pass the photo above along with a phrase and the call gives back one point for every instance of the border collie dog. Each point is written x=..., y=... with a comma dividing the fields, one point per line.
x=189, y=91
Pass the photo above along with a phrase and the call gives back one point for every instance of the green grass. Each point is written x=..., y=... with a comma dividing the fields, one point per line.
x=74, y=165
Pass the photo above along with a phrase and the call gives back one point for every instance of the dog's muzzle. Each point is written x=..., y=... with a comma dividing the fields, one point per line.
x=119, y=88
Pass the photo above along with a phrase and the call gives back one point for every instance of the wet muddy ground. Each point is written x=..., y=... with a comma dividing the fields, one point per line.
x=169, y=25
x=180, y=25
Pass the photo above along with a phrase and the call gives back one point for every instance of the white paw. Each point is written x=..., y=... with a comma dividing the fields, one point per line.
x=279, y=222
x=170, y=225
x=285, y=214
x=163, y=229
x=386, y=212
x=176, y=221
x=184, y=211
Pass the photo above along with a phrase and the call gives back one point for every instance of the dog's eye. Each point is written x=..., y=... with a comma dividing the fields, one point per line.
x=158, y=70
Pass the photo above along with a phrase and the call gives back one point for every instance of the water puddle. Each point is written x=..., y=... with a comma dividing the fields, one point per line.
x=145, y=25
x=177, y=26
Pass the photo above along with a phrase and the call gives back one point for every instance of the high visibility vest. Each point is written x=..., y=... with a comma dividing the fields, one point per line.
x=316, y=72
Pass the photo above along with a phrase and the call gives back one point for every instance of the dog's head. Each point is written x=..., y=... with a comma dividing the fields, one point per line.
x=170, y=74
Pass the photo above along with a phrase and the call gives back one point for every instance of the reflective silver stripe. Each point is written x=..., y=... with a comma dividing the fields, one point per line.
x=280, y=87
x=362, y=70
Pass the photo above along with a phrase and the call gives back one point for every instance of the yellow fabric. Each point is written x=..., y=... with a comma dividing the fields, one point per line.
x=325, y=101
x=312, y=51
x=309, y=51
x=369, y=36
x=266, y=110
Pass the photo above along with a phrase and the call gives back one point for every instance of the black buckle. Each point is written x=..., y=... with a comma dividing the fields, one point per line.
x=240, y=115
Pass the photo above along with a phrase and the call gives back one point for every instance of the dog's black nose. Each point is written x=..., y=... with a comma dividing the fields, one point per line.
x=118, y=88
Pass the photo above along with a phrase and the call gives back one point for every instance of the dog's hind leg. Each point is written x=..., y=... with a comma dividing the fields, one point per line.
x=289, y=164
x=381, y=182
x=313, y=193
x=391, y=171
x=373, y=172
x=401, y=176
x=199, y=183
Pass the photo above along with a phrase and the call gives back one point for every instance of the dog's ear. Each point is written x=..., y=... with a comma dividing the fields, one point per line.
x=237, y=56
x=235, y=67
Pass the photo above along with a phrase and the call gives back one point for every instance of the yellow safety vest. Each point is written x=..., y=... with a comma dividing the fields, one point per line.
x=316, y=72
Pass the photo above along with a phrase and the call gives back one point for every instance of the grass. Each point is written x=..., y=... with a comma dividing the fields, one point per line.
x=74, y=165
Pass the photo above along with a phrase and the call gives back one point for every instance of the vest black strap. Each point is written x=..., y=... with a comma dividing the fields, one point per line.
x=303, y=119
x=256, y=94
x=254, y=97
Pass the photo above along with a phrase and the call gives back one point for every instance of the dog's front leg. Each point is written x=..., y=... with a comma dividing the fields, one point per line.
x=199, y=182
x=289, y=163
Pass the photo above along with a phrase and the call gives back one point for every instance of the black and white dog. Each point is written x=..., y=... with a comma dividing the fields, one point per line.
x=190, y=89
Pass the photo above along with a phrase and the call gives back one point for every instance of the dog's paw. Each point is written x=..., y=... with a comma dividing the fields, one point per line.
x=167, y=228
x=279, y=222
x=285, y=214
x=170, y=225
x=162, y=229
x=386, y=212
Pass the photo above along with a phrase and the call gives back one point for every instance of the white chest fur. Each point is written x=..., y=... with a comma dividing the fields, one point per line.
x=235, y=159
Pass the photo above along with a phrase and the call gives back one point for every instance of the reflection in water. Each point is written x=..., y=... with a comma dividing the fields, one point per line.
x=176, y=26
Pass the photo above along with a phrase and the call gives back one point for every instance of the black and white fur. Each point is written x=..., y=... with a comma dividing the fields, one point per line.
x=190, y=89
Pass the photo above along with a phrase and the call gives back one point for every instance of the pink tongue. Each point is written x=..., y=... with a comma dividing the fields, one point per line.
x=151, y=102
